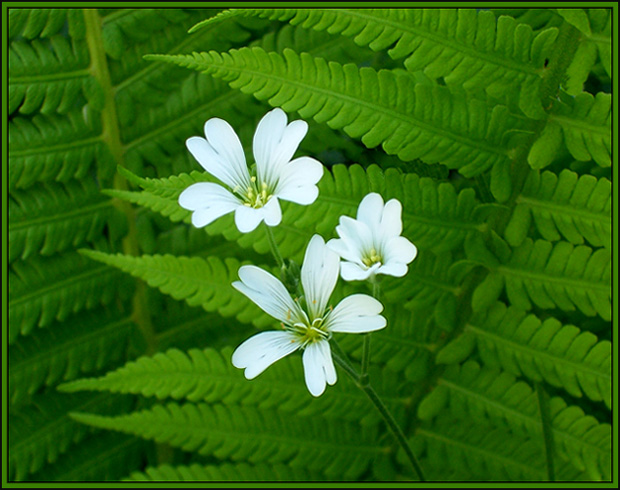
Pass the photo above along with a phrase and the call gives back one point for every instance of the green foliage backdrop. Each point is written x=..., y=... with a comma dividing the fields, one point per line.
x=492, y=127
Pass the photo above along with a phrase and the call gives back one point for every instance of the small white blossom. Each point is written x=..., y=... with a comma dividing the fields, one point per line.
x=253, y=198
x=308, y=323
x=371, y=244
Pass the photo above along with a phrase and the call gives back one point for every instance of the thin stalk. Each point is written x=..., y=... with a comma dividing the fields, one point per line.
x=274, y=247
x=545, y=419
x=364, y=376
x=385, y=414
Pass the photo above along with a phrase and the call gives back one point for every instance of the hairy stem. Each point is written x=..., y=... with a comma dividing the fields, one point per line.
x=383, y=410
x=274, y=246
x=543, y=407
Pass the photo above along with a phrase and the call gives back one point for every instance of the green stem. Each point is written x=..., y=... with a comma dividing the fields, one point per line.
x=274, y=247
x=383, y=410
x=543, y=406
x=364, y=376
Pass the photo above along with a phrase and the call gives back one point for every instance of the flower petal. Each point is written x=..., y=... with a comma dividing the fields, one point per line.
x=318, y=367
x=319, y=273
x=341, y=247
x=274, y=144
x=209, y=201
x=221, y=154
x=399, y=249
x=391, y=221
x=370, y=210
x=248, y=218
x=260, y=351
x=272, y=212
x=356, y=234
x=351, y=271
x=357, y=313
x=298, y=181
x=268, y=293
x=396, y=269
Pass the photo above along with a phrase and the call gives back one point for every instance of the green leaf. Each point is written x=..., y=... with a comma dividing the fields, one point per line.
x=47, y=148
x=67, y=350
x=339, y=449
x=54, y=217
x=561, y=355
x=559, y=276
x=45, y=290
x=464, y=47
x=209, y=376
x=576, y=208
x=385, y=107
x=489, y=395
x=200, y=282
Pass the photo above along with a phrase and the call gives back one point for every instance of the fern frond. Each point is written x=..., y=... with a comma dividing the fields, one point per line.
x=435, y=216
x=105, y=456
x=408, y=119
x=46, y=289
x=51, y=76
x=47, y=148
x=561, y=355
x=241, y=472
x=479, y=453
x=563, y=206
x=200, y=282
x=595, y=44
x=209, y=376
x=464, y=47
x=586, y=125
x=55, y=217
x=551, y=275
x=83, y=343
x=33, y=23
x=487, y=393
x=490, y=454
x=43, y=431
x=582, y=125
x=243, y=434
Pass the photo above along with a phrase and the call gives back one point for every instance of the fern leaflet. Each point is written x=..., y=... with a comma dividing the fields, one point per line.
x=242, y=434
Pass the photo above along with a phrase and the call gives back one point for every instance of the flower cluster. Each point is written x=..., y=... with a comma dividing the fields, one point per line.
x=369, y=245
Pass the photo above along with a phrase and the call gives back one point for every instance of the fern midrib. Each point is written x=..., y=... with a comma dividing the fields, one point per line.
x=50, y=77
x=62, y=216
x=349, y=100
x=60, y=285
x=582, y=124
x=510, y=412
x=52, y=350
x=62, y=147
x=533, y=352
x=141, y=380
x=564, y=209
x=185, y=427
x=527, y=69
x=554, y=280
x=485, y=454
x=111, y=135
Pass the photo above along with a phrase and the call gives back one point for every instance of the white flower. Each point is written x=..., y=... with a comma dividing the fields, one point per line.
x=253, y=198
x=308, y=328
x=371, y=244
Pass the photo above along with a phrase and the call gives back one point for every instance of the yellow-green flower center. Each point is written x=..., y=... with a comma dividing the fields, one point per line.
x=254, y=196
x=371, y=258
x=311, y=333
